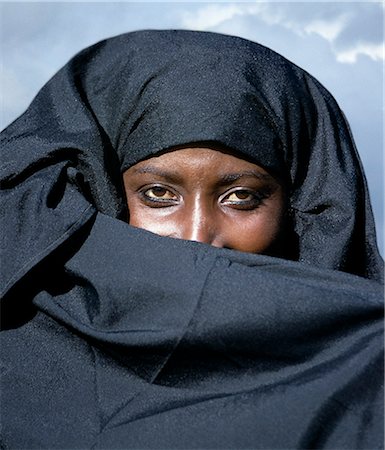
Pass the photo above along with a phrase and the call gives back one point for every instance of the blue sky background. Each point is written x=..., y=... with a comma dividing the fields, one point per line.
x=340, y=43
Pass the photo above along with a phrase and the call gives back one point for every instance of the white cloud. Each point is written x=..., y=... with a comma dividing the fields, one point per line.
x=213, y=15
x=329, y=29
x=373, y=51
x=210, y=16
x=348, y=54
x=334, y=24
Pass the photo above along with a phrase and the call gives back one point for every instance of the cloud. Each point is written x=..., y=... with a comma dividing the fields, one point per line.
x=373, y=51
x=328, y=30
x=362, y=35
x=214, y=15
x=350, y=30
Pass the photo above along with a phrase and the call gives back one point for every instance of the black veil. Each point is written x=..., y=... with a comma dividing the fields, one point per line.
x=117, y=338
x=132, y=96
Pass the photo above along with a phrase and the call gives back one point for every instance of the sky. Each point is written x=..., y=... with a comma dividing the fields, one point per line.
x=340, y=43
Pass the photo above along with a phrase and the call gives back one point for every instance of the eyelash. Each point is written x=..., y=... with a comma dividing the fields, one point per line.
x=158, y=200
x=256, y=200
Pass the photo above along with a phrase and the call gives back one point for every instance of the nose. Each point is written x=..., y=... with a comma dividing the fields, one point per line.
x=200, y=224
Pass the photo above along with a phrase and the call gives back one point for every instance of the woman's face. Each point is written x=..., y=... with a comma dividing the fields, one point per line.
x=206, y=195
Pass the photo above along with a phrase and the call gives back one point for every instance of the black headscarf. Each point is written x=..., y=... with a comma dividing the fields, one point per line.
x=142, y=341
x=132, y=96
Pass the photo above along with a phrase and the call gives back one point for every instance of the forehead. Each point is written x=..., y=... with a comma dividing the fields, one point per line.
x=197, y=160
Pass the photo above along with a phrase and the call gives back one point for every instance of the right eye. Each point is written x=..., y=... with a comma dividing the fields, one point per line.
x=159, y=195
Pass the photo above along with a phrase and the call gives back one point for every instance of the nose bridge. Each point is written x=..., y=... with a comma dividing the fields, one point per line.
x=200, y=224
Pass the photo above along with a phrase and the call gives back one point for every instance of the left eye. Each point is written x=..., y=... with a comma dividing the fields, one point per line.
x=239, y=196
x=244, y=199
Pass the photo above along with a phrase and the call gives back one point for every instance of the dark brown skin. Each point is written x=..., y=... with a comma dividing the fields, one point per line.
x=206, y=195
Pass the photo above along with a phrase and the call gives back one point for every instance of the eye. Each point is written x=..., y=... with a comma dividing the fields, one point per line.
x=159, y=192
x=159, y=196
x=239, y=196
x=245, y=199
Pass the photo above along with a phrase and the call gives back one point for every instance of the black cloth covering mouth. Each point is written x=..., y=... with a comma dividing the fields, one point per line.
x=116, y=338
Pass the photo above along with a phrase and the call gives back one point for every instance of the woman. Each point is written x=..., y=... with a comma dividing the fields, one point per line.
x=117, y=337
x=208, y=195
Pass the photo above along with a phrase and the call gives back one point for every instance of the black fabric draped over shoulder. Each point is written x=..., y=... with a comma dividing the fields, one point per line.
x=113, y=337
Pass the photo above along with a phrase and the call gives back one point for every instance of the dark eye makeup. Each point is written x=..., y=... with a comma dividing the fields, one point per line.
x=246, y=199
x=159, y=196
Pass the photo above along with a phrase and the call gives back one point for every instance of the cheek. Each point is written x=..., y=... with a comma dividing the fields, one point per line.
x=255, y=237
x=254, y=233
x=135, y=215
x=138, y=218
x=154, y=220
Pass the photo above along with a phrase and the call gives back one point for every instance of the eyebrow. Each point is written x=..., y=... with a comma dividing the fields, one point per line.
x=224, y=179
x=172, y=176
x=231, y=177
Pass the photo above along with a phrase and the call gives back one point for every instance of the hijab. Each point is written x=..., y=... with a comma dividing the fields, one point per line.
x=127, y=98
x=173, y=344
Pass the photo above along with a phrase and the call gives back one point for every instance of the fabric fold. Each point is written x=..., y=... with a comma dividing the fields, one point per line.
x=210, y=341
